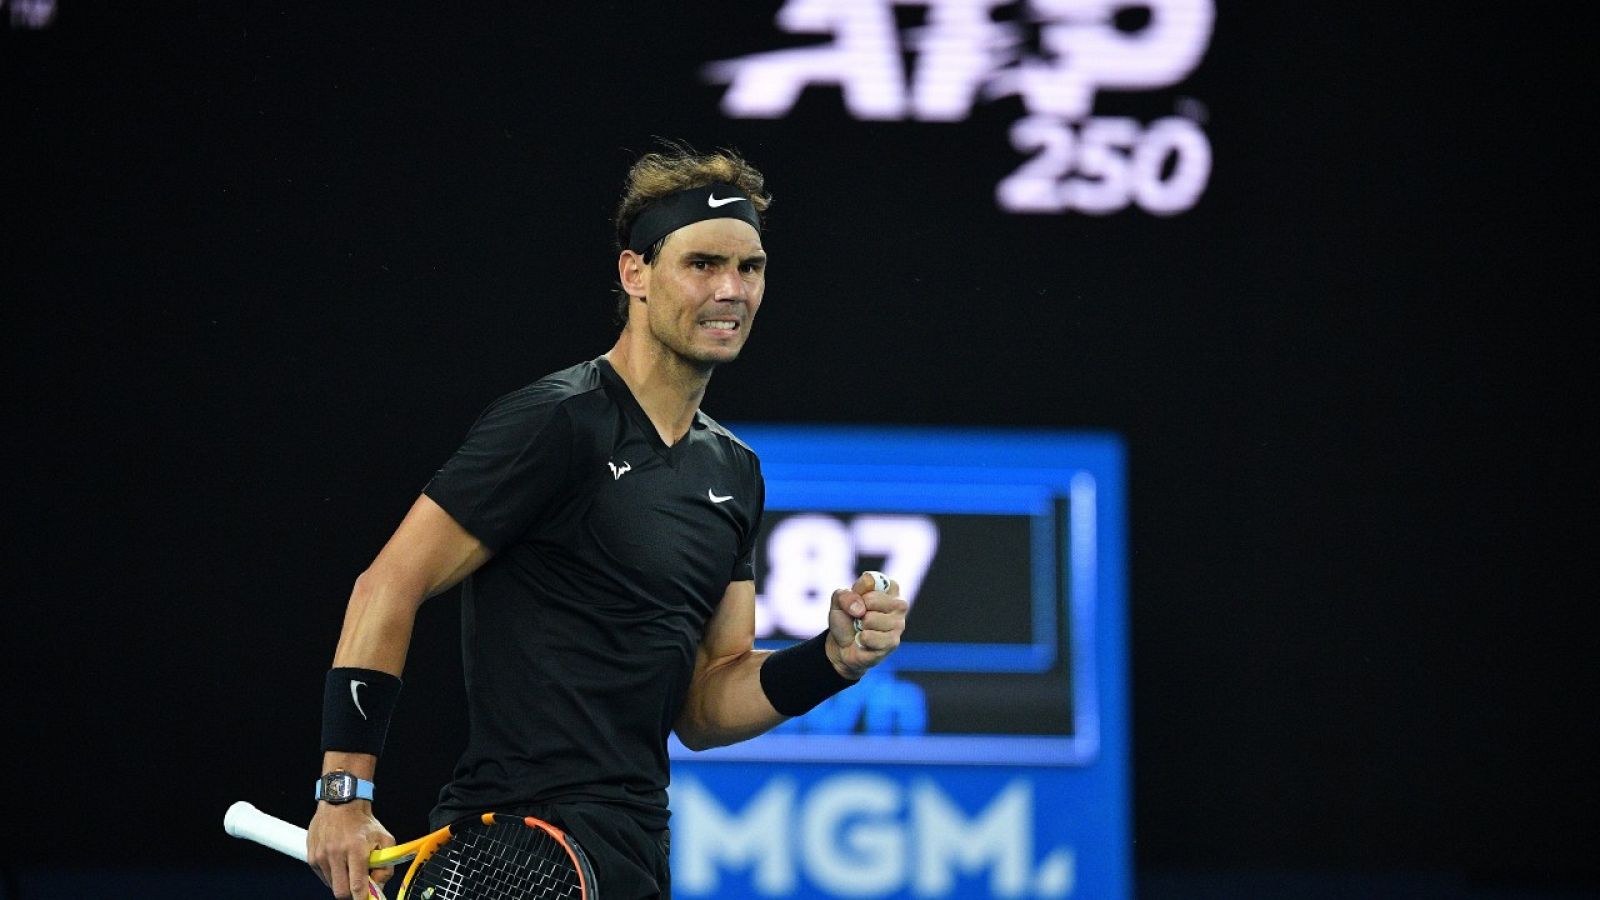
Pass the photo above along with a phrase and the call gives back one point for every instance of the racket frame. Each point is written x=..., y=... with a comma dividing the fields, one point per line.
x=418, y=851
x=244, y=820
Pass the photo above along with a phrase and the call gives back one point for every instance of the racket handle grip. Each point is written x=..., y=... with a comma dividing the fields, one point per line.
x=243, y=820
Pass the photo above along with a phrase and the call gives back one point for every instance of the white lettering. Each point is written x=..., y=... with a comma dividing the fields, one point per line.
x=1058, y=874
x=957, y=54
x=906, y=543
x=863, y=60
x=31, y=14
x=1086, y=52
x=861, y=834
x=809, y=556
x=853, y=845
x=1180, y=140
x=999, y=838
x=963, y=52
x=962, y=55
x=1103, y=146
x=757, y=839
x=1162, y=169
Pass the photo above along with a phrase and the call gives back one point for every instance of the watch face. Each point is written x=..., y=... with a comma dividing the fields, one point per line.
x=337, y=787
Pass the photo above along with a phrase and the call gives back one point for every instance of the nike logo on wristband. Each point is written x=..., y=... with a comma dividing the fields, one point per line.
x=356, y=699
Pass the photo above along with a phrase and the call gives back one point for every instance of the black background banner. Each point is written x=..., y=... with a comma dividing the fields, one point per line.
x=264, y=265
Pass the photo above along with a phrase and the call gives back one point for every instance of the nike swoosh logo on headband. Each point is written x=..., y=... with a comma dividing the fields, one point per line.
x=713, y=202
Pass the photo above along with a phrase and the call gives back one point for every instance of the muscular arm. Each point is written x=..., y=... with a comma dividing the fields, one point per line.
x=429, y=553
x=725, y=703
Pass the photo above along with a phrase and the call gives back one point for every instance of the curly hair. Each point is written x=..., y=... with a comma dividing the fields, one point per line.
x=675, y=168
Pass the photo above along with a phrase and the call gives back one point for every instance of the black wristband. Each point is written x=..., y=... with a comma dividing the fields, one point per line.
x=356, y=706
x=796, y=679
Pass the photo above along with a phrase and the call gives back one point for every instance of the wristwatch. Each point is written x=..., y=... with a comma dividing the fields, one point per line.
x=340, y=786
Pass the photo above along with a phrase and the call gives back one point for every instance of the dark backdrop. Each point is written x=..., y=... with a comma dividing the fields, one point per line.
x=265, y=264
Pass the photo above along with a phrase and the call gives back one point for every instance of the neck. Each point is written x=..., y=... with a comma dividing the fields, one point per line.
x=668, y=387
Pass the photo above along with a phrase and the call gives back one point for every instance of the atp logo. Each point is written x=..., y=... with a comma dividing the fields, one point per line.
x=1053, y=55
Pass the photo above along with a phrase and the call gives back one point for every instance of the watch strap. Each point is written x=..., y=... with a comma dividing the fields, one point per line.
x=364, y=788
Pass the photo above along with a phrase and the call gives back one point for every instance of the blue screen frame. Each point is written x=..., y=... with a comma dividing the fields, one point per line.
x=875, y=469
x=944, y=497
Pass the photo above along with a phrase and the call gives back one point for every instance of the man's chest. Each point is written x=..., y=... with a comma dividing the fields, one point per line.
x=676, y=519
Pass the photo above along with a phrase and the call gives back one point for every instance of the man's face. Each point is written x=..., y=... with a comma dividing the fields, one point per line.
x=704, y=288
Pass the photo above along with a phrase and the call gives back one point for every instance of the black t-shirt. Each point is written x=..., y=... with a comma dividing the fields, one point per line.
x=611, y=551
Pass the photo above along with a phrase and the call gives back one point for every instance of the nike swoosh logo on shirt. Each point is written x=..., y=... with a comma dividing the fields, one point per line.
x=716, y=499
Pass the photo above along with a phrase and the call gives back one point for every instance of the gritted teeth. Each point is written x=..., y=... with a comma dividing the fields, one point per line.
x=728, y=324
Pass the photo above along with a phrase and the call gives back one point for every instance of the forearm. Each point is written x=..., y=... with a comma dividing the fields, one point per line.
x=376, y=635
x=378, y=622
x=726, y=704
x=738, y=692
x=361, y=765
x=429, y=553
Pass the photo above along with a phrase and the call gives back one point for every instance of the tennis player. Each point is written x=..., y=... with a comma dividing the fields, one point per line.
x=602, y=527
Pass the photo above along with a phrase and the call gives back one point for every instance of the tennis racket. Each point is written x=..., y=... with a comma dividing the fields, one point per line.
x=487, y=857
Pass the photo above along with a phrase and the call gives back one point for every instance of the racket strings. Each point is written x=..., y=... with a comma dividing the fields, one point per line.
x=504, y=861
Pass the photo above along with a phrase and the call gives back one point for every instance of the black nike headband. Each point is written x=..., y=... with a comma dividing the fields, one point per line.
x=665, y=215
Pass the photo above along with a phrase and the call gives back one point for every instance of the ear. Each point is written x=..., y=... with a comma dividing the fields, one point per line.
x=634, y=274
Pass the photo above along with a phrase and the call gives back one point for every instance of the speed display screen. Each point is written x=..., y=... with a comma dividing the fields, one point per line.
x=996, y=541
